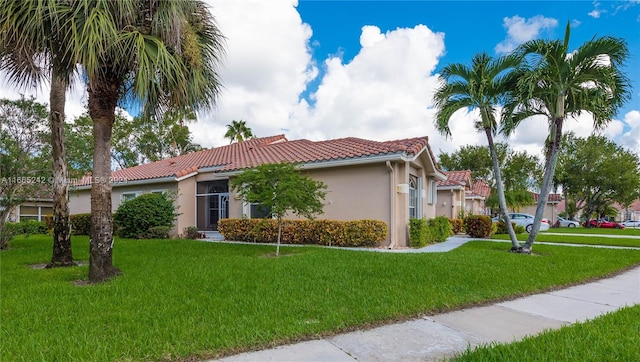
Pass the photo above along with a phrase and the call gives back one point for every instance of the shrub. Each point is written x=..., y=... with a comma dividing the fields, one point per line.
x=323, y=232
x=418, y=233
x=440, y=228
x=80, y=224
x=159, y=232
x=48, y=219
x=136, y=217
x=501, y=228
x=457, y=225
x=25, y=227
x=191, y=232
x=479, y=226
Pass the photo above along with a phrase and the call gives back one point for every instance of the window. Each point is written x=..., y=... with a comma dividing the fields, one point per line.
x=413, y=197
x=431, y=195
x=257, y=211
x=126, y=196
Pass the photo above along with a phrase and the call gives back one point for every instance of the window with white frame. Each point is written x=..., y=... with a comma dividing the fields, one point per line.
x=413, y=197
x=431, y=194
x=126, y=196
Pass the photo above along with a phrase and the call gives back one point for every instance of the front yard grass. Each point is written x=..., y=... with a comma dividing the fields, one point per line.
x=587, y=239
x=596, y=231
x=181, y=299
x=613, y=336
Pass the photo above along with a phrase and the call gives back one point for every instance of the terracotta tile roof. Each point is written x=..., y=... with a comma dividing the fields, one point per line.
x=273, y=149
x=552, y=197
x=456, y=178
x=480, y=188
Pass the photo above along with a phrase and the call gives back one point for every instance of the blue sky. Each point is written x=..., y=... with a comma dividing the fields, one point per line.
x=330, y=69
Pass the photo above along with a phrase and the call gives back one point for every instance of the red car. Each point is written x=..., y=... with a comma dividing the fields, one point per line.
x=604, y=224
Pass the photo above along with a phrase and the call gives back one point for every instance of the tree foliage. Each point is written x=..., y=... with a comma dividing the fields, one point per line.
x=598, y=172
x=282, y=189
x=558, y=83
x=25, y=165
x=134, y=141
x=238, y=131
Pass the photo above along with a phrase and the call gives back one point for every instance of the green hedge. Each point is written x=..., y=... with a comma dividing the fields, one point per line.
x=321, y=232
x=26, y=227
x=149, y=216
x=428, y=231
x=501, y=228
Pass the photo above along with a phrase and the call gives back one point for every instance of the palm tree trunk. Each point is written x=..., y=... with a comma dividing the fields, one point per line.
x=62, y=255
x=500, y=190
x=550, y=168
x=102, y=104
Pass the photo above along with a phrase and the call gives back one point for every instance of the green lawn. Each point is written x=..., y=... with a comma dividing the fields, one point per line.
x=595, y=231
x=611, y=337
x=182, y=299
x=589, y=238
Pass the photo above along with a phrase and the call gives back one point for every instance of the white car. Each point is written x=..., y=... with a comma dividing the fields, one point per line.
x=566, y=223
x=631, y=224
x=526, y=221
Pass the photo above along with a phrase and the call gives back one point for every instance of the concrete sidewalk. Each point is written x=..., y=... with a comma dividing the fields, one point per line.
x=440, y=336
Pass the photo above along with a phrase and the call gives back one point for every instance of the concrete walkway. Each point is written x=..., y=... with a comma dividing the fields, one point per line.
x=438, y=337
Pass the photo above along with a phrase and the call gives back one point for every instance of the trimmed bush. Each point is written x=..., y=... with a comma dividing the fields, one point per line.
x=457, y=225
x=191, y=232
x=80, y=224
x=440, y=229
x=322, y=232
x=136, y=217
x=501, y=228
x=25, y=227
x=418, y=233
x=158, y=232
x=479, y=226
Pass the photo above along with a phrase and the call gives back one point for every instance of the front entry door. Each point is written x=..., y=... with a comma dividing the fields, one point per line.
x=218, y=209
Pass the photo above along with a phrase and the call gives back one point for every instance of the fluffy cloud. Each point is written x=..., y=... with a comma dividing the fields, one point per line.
x=520, y=30
x=631, y=138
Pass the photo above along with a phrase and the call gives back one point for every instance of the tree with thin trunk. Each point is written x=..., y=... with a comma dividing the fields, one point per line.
x=558, y=84
x=482, y=86
x=238, y=131
x=34, y=46
x=280, y=188
x=165, y=54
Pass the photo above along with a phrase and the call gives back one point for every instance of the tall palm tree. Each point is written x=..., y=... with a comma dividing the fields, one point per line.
x=482, y=86
x=32, y=47
x=559, y=84
x=238, y=131
x=163, y=53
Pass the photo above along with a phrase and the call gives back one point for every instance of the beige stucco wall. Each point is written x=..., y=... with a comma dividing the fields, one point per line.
x=450, y=202
x=550, y=211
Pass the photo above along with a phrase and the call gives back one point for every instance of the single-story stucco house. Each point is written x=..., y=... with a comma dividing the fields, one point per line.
x=550, y=210
x=459, y=194
x=389, y=181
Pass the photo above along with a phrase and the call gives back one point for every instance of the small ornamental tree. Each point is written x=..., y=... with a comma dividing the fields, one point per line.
x=280, y=188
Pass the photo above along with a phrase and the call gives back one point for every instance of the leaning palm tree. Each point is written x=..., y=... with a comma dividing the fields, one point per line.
x=238, y=131
x=558, y=84
x=32, y=47
x=481, y=86
x=163, y=53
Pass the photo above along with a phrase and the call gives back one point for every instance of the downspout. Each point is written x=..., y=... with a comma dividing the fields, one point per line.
x=392, y=205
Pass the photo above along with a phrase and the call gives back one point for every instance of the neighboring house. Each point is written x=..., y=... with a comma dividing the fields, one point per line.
x=35, y=207
x=632, y=212
x=389, y=181
x=459, y=194
x=551, y=210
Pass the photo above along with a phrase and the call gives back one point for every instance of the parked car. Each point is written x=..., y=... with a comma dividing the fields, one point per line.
x=566, y=223
x=631, y=223
x=525, y=220
x=604, y=224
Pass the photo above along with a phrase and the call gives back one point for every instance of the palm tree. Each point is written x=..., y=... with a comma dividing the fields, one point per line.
x=558, y=84
x=482, y=86
x=32, y=47
x=238, y=131
x=163, y=53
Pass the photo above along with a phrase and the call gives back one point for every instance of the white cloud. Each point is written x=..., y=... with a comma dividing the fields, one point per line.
x=631, y=138
x=596, y=12
x=520, y=30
